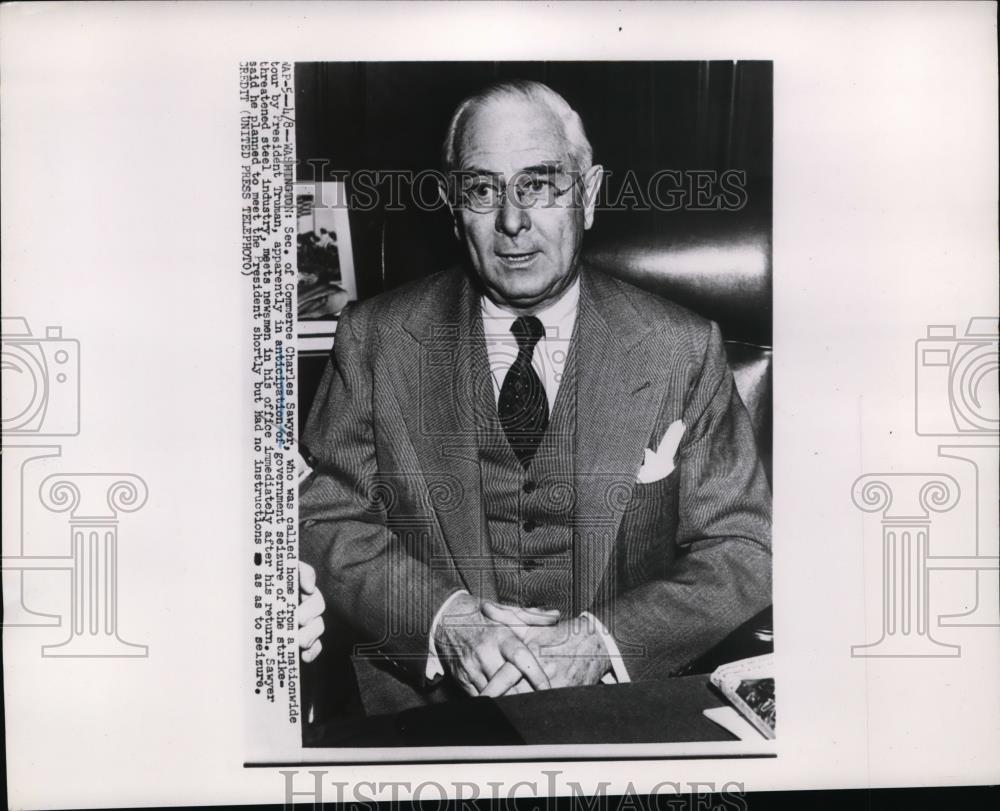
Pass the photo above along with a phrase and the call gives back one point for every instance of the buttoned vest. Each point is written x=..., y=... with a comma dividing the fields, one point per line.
x=529, y=512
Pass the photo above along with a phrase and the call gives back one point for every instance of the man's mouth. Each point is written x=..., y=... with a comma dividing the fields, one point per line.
x=517, y=259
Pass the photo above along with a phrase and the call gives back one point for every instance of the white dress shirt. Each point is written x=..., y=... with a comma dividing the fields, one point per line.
x=549, y=361
x=551, y=352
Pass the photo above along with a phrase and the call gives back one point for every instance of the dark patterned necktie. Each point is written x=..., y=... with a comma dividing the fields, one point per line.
x=523, y=406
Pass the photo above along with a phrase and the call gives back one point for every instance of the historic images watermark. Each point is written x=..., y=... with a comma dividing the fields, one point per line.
x=955, y=397
x=41, y=408
x=545, y=186
x=317, y=786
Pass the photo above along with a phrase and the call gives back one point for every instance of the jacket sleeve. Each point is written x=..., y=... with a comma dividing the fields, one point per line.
x=722, y=573
x=367, y=574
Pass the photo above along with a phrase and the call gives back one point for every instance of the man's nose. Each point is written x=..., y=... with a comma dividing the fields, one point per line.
x=512, y=218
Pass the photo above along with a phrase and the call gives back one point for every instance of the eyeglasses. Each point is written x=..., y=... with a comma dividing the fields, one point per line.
x=484, y=194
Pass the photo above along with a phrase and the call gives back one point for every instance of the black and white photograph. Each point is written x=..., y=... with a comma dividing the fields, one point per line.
x=586, y=404
x=539, y=510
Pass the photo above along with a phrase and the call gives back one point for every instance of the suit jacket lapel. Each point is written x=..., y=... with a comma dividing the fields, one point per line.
x=438, y=406
x=617, y=405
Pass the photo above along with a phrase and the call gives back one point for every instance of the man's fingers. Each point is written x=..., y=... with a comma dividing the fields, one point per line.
x=466, y=686
x=489, y=656
x=516, y=652
x=468, y=670
x=495, y=612
x=310, y=608
x=474, y=682
x=514, y=615
x=307, y=577
x=312, y=652
x=311, y=632
x=505, y=678
x=538, y=616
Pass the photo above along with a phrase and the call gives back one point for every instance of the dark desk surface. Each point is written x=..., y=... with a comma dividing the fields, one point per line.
x=668, y=711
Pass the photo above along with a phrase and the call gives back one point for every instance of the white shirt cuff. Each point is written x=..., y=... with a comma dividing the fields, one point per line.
x=434, y=666
x=618, y=674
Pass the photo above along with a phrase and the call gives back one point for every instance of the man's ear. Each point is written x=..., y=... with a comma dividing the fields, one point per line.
x=446, y=199
x=591, y=186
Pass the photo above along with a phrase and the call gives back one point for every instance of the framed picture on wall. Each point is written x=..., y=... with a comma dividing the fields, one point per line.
x=326, y=277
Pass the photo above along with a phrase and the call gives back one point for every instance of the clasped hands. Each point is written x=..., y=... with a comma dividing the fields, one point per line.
x=492, y=649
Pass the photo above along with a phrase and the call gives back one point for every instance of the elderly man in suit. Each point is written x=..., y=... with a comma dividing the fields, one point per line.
x=529, y=474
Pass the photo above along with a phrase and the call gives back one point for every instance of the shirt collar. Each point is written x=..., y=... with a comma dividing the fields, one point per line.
x=560, y=314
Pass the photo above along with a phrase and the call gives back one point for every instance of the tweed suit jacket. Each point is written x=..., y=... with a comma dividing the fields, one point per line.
x=393, y=520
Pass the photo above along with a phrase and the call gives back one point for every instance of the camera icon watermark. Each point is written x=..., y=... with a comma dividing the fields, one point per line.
x=956, y=385
x=40, y=406
x=956, y=380
x=41, y=381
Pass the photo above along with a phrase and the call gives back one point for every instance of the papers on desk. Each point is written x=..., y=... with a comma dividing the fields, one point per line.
x=749, y=686
x=732, y=721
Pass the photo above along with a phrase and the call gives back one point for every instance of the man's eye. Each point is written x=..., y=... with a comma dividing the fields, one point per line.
x=537, y=184
x=482, y=189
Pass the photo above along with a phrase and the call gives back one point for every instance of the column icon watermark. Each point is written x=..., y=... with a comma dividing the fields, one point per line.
x=955, y=397
x=41, y=410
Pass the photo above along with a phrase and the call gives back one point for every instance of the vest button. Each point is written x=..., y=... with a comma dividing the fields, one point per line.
x=529, y=486
x=528, y=525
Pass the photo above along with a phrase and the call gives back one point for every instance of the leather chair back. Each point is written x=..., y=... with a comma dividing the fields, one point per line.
x=716, y=264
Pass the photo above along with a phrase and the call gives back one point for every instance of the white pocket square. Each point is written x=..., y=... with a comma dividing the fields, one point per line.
x=659, y=464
